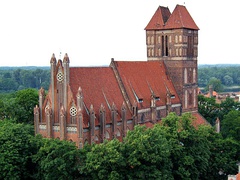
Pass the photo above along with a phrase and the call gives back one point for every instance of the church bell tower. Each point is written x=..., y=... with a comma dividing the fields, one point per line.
x=173, y=38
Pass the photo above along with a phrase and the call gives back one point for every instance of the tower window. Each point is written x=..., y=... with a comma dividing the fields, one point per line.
x=190, y=46
x=190, y=99
x=176, y=39
x=152, y=40
x=164, y=45
x=149, y=52
x=180, y=38
x=152, y=52
x=194, y=75
x=185, y=76
x=148, y=40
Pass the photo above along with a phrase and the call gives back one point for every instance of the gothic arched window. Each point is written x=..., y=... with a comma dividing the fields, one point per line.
x=185, y=76
x=194, y=75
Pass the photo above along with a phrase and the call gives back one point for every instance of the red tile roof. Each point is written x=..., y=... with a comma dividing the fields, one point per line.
x=200, y=120
x=159, y=18
x=180, y=18
x=214, y=94
x=142, y=77
x=99, y=86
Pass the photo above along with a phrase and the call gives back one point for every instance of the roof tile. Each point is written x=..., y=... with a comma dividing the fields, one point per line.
x=142, y=77
x=163, y=19
x=99, y=87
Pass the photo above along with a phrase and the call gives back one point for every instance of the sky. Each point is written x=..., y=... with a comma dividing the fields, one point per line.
x=92, y=32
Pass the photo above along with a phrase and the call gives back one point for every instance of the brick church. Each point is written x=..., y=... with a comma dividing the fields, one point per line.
x=91, y=104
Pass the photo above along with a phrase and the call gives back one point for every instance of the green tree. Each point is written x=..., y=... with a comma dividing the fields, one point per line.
x=208, y=108
x=16, y=150
x=8, y=84
x=7, y=102
x=56, y=159
x=148, y=153
x=225, y=153
x=228, y=80
x=105, y=161
x=216, y=83
x=25, y=101
x=230, y=126
x=190, y=147
x=226, y=106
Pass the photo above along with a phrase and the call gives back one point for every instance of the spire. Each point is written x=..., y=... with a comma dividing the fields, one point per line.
x=36, y=110
x=79, y=92
x=53, y=59
x=102, y=108
x=41, y=92
x=123, y=106
x=66, y=58
x=62, y=111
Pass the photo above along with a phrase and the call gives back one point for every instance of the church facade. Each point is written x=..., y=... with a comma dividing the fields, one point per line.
x=91, y=104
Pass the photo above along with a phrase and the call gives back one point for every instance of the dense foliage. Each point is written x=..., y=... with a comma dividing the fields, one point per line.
x=19, y=105
x=13, y=79
x=219, y=75
x=174, y=149
x=17, y=78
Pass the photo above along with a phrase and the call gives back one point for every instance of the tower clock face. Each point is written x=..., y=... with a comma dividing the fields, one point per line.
x=60, y=76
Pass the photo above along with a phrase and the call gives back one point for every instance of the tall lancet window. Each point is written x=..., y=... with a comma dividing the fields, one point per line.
x=186, y=99
x=152, y=52
x=166, y=46
x=149, y=52
x=148, y=40
x=185, y=76
x=152, y=40
x=162, y=45
x=190, y=98
x=194, y=76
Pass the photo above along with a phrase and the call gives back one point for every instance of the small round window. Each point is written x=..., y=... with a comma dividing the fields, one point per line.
x=60, y=76
x=73, y=111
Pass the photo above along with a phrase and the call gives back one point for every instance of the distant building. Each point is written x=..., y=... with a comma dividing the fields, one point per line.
x=90, y=104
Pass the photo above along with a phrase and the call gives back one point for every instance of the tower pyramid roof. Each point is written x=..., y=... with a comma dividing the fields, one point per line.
x=159, y=18
x=163, y=19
